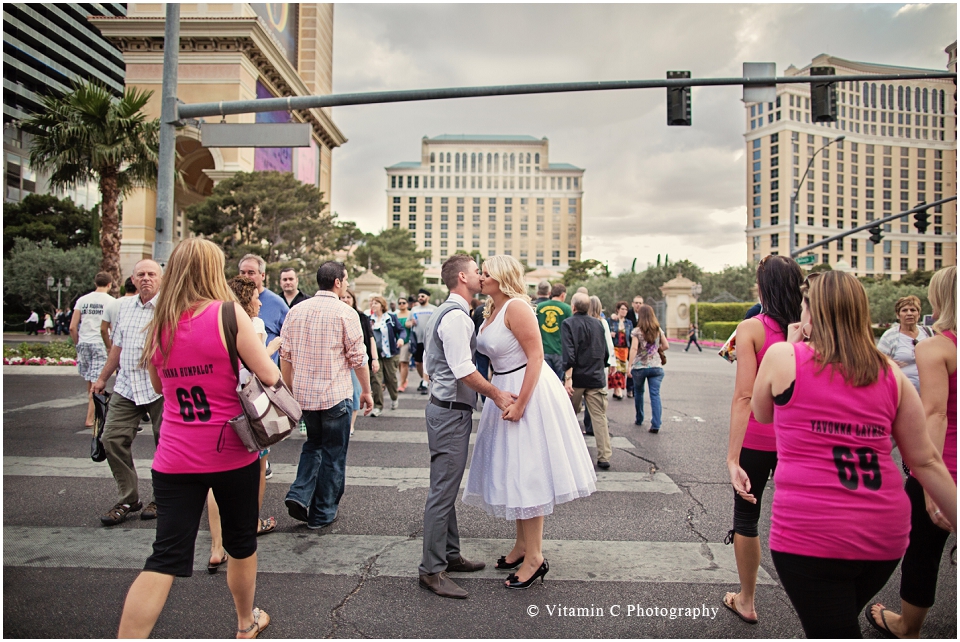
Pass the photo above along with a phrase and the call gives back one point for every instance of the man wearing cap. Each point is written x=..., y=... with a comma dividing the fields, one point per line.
x=417, y=320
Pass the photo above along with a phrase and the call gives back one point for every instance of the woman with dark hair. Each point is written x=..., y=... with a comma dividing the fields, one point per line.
x=370, y=344
x=752, y=448
x=937, y=365
x=186, y=354
x=620, y=330
x=841, y=519
x=648, y=341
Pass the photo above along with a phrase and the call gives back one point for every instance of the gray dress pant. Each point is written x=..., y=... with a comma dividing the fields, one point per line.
x=448, y=433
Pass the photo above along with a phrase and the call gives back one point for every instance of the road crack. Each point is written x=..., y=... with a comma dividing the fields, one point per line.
x=694, y=511
x=653, y=465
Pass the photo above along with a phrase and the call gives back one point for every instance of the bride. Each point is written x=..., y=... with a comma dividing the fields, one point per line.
x=531, y=456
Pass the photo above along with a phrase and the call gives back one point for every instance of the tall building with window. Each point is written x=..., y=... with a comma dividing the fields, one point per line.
x=899, y=150
x=488, y=194
x=46, y=47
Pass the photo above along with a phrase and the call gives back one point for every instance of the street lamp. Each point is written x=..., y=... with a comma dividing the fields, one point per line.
x=792, y=244
x=695, y=290
x=60, y=285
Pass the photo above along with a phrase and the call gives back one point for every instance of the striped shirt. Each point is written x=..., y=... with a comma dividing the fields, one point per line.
x=133, y=382
x=323, y=340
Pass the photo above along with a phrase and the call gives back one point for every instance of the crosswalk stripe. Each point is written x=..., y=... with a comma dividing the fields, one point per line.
x=388, y=556
x=399, y=478
x=411, y=437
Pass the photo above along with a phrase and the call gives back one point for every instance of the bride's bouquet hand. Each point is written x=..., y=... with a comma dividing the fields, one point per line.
x=514, y=412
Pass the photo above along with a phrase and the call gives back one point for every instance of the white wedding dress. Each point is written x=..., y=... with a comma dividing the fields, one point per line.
x=522, y=469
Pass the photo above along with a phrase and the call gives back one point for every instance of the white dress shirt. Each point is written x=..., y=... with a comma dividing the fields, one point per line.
x=456, y=332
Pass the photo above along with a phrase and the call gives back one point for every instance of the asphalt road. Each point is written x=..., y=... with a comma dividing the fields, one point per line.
x=650, y=540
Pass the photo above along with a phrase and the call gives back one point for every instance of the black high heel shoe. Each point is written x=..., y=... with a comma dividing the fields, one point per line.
x=504, y=565
x=515, y=583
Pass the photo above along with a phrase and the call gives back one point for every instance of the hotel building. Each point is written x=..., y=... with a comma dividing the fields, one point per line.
x=488, y=194
x=900, y=149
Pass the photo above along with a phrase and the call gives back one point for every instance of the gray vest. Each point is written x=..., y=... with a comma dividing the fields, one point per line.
x=443, y=385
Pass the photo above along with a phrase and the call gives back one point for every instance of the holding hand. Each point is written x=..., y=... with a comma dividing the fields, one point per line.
x=568, y=386
x=798, y=332
x=366, y=402
x=98, y=386
x=514, y=412
x=504, y=399
x=274, y=345
x=936, y=516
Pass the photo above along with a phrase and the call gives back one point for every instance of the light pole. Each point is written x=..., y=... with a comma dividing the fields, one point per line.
x=695, y=290
x=792, y=244
x=58, y=287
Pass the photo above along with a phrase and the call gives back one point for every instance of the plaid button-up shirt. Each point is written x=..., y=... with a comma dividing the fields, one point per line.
x=323, y=341
x=133, y=382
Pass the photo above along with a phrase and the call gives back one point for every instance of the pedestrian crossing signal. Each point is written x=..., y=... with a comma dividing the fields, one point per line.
x=823, y=97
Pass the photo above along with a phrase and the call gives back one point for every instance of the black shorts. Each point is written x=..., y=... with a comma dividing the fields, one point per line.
x=759, y=466
x=921, y=562
x=180, y=500
x=418, y=353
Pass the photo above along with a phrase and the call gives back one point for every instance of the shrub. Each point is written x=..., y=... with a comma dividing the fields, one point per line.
x=718, y=330
x=711, y=312
x=53, y=350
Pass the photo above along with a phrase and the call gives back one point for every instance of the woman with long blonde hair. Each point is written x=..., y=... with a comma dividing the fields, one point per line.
x=841, y=520
x=929, y=528
x=186, y=355
x=529, y=457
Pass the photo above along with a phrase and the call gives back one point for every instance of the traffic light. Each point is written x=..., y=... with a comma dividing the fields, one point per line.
x=875, y=235
x=823, y=97
x=678, y=101
x=921, y=219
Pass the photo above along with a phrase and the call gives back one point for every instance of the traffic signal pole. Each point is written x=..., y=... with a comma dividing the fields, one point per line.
x=867, y=226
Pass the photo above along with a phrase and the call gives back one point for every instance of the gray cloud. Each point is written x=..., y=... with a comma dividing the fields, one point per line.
x=649, y=188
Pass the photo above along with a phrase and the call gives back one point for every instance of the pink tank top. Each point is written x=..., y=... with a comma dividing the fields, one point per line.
x=761, y=436
x=950, y=443
x=199, y=397
x=839, y=493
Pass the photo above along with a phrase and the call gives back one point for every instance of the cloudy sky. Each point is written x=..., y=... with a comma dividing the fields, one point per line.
x=648, y=188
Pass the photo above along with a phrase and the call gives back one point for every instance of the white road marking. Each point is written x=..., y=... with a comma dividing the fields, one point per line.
x=309, y=553
x=399, y=478
x=66, y=402
x=413, y=437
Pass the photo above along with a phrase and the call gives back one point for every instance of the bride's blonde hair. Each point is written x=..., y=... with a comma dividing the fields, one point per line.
x=508, y=272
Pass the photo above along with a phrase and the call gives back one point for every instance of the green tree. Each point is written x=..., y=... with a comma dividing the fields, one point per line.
x=270, y=214
x=393, y=254
x=90, y=135
x=26, y=270
x=41, y=217
x=919, y=278
x=579, y=271
x=736, y=280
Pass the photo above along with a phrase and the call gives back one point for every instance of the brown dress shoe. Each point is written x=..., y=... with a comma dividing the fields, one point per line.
x=442, y=585
x=464, y=566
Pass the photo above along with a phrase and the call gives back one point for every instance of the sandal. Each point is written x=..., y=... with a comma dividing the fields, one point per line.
x=213, y=568
x=256, y=625
x=883, y=629
x=732, y=605
x=266, y=526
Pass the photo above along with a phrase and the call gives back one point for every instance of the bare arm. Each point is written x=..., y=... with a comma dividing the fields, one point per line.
x=747, y=333
x=522, y=322
x=919, y=452
x=501, y=398
x=75, y=326
x=286, y=371
x=155, y=378
x=105, y=334
x=664, y=344
x=933, y=366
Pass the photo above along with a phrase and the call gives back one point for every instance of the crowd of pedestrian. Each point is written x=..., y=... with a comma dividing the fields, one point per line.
x=817, y=405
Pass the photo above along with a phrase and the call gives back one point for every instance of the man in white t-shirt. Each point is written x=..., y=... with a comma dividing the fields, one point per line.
x=85, y=332
x=110, y=313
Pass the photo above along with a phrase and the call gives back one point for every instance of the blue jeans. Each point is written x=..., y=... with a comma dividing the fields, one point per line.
x=357, y=389
x=655, y=376
x=482, y=362
x=322, y=468
x=555, y=361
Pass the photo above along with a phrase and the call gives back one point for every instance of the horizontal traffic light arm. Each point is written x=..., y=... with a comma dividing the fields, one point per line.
x=223, y=108
x=867, y=226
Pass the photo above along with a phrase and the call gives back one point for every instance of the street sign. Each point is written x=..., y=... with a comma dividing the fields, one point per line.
x=809, y=259
x=760, y=93
x=255, y=134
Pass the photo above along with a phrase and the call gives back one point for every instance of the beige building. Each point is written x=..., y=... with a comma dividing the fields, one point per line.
x=233, y=51
x=489, y=194
x=900, y=149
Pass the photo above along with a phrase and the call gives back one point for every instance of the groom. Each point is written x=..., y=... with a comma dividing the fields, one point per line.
x=454, y=384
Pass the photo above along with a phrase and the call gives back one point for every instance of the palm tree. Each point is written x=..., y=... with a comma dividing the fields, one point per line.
x=90, y=135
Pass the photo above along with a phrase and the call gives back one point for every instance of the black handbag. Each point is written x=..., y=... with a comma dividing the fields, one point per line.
x=100, y=404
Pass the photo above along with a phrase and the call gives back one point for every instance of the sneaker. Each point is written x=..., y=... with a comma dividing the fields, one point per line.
x=269, y=472
x=376, y=412
x=422, y=389
x=296, y=510
x=139, y=428
x=394, y=404
x=146, y=417
x=150, y=511
x=119, y=512
x=603, y=464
